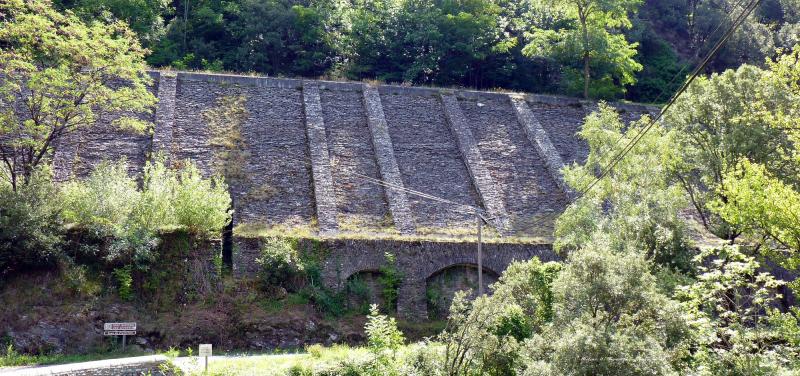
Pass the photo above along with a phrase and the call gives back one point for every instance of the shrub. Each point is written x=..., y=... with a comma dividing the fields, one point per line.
x=529, y=284
x=105, y=199
x=124, y=282
x=279, y=263
x=202, y=206
x=126, y=220
x=479, y=336
x=608, y=319
x=358, y=295
x=329, y=302
x=382, y=332
x=31, y=232
x=390, y=279
x=102, y=205
x=732, y=309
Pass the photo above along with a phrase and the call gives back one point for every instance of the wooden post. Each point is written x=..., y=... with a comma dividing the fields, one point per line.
x=480, y=254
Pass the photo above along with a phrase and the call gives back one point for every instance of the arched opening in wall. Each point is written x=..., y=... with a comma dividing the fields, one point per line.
x=441, y=287
x=363, y=289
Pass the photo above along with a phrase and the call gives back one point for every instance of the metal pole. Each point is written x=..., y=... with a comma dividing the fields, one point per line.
x=480, y=254
x=123, y=342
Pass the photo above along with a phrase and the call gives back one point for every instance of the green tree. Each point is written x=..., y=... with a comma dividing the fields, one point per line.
x=732, y=333
x=765, y=208
x=59, y=75
x=609, y=319
x=758, y=194
x=145, y=17
x=640, y=206
x=484, y=336
x=278, y=38
x=529, y=284
x=747, y=113
x=425, y=41
x=590, y=34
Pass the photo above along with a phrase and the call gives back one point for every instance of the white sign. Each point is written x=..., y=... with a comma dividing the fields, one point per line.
x=119, y=332
x=114, y=326
x=205, y=350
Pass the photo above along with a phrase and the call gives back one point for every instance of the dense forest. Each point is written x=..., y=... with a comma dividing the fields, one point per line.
x=634, y=49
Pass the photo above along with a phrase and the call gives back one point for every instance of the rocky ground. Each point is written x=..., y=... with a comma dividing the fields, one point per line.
x=43, y=314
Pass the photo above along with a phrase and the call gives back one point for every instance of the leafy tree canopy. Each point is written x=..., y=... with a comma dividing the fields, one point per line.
x=639, y=205
x=589, y=34
x=60, y=75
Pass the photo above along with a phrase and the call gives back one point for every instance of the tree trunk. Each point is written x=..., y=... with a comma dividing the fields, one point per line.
x=583, y=18
x=586, y=75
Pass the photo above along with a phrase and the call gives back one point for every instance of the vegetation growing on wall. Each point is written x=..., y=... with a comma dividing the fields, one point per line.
x=225, y=122
x=389, y=279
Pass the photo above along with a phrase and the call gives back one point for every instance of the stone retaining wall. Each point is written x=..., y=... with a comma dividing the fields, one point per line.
x=417, y=261
x=343, y=156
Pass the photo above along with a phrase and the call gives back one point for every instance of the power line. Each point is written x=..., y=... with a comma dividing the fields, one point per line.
x=416, y=193
x=474, y=210
x=687, y=64
x=629, y=146
x=383, y=183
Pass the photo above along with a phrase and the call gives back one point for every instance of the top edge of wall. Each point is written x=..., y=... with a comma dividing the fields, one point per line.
x=413, y=242
x=388, y=89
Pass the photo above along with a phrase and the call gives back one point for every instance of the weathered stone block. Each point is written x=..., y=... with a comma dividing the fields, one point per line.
x=481, y=179
x=320, y=159
x=384, y=153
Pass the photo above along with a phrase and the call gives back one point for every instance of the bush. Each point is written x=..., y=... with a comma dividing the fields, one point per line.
x=608, y=319
x=390, y=279
x=126, y=220
x=280, y=264
x=530, y=285
x=382, y=333
x=202, y=206
x=732, y=309
x=124, y=282
x=31, y=231
x=102, y=206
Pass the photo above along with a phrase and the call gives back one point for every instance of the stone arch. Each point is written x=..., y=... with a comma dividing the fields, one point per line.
x=339, y=268
x=442, y=285
x=445, y=260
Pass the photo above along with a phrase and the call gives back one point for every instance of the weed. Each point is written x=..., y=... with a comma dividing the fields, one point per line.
x=390, y=279
x=124, y=282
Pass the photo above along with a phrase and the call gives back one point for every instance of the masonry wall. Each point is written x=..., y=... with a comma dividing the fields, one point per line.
x=359, y=202
x=428, y=157
x=531, y=194
x=420, y=263
x=344, y=157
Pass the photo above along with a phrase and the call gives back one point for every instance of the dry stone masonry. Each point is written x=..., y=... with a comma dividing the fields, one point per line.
x=320, y=159
x=420, y=263
x=165, y=114
x=384, y=152
x=347, y=156
x=481, y=179
x=537, y=136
